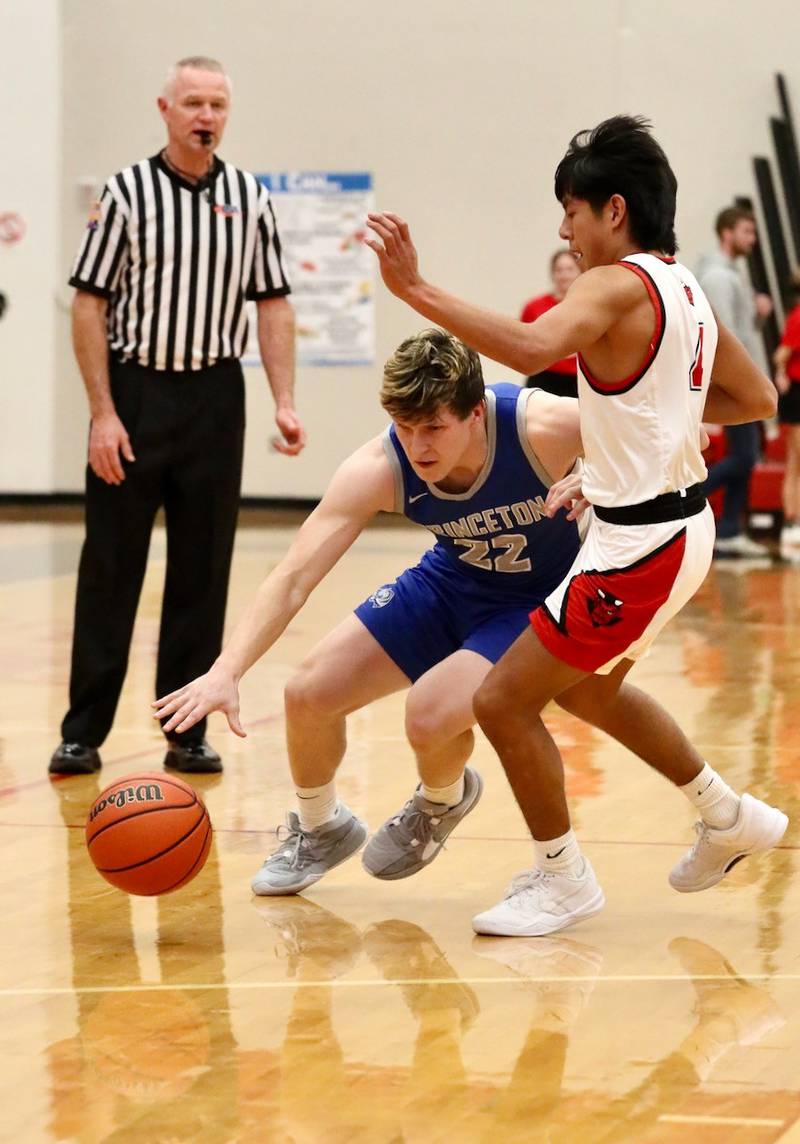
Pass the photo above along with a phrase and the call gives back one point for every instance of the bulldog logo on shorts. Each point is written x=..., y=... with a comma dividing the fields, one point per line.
x=382, y=597
x=604, y=610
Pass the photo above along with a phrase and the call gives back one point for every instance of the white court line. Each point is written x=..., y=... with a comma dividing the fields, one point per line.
x=381, y=983
x=751, y=1121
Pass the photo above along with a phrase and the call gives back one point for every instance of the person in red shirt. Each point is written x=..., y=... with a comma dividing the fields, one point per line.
x=787, y=380
x=561, y=377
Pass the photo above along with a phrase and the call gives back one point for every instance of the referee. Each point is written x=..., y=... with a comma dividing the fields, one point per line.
x=174, y=247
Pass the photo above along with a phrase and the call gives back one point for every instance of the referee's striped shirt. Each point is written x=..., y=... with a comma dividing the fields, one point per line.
x=177, y=261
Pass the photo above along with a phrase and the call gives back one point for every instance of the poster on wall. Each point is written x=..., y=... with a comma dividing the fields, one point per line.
x=321, y=220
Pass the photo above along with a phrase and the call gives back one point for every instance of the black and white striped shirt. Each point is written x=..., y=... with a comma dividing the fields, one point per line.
x=177, y=261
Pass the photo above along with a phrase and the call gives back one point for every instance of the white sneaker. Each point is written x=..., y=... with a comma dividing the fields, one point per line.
x=538, y=903
x=759, y=827
x=790, y=541
x=740, y=545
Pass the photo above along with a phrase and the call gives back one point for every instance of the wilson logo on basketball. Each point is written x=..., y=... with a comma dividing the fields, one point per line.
x=145, y=793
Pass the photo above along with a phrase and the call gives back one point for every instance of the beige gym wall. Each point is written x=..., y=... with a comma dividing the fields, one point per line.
x=461, y=110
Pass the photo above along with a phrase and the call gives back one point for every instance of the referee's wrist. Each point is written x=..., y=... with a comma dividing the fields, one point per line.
x=99, y=412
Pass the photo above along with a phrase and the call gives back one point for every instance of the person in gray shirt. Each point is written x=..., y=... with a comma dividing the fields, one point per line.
x=742, y=312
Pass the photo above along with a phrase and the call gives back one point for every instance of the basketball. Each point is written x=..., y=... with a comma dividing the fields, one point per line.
x=148, y=834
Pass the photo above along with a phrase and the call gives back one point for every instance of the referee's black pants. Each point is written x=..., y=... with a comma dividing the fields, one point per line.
x=187, y=433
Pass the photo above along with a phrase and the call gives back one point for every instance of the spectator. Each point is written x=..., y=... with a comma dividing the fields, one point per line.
x=742, y=312
x=787, y=379
x=561, y=377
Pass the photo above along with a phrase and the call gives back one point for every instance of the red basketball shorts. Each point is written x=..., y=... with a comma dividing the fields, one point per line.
x=626, y=583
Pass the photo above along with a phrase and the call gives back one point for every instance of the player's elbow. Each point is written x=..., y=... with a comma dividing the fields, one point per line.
x=767, y=401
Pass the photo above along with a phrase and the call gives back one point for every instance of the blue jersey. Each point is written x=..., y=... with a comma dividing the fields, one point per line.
x=495, y=536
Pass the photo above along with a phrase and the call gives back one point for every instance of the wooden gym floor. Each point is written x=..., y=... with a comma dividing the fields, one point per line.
x=367, y=1011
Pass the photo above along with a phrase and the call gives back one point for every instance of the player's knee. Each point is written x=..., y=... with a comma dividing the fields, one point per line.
x=309, y=692
x=489, y=705
x=424, y=729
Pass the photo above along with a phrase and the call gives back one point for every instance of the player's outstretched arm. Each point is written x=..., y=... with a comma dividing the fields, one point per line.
x=594, y=302
x=362, y=486
x=739, y=390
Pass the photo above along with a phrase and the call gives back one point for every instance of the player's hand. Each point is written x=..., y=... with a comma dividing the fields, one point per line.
x=107, y=439
x=397, y=255
x=215, y=691
x=764, y=306
x=566, y=493
x=292, y=438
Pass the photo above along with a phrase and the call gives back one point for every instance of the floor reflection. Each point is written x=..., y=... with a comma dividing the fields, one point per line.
x=436, y=1096
x=140, y=1065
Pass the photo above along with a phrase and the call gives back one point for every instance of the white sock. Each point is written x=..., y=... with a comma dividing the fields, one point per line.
x=717, y=803
x=447, y=795
x=559, y=855
x=316, y=805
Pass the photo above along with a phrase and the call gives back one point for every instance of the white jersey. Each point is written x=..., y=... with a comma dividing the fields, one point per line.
x=641, y=434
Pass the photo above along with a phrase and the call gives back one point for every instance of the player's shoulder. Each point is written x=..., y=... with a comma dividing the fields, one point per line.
x=547, y=411
x=374, y=463
x=365, y=480
x=369, y=455
x=616, y=278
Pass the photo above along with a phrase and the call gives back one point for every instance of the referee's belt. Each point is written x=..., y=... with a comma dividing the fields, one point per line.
x=669, y=506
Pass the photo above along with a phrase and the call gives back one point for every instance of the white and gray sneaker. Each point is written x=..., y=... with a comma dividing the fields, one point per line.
x=759, y=827
x=413, y=838
x=304, y=856
x=538, y=903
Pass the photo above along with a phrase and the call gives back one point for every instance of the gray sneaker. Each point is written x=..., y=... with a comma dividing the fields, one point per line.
x=414, y=837
x=304, y=856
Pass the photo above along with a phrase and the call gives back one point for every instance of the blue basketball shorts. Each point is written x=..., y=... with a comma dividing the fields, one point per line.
x=426, y=615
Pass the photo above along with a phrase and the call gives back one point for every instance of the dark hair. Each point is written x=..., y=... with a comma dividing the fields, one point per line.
x=728, y=218
x=429, y=371
x=621, y=157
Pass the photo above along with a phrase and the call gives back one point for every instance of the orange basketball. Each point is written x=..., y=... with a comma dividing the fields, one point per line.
x=148, y=834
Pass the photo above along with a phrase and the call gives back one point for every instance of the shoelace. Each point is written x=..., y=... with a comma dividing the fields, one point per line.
x=530, y=881
x=702, y=830
x=300, y=841
x=415, y=825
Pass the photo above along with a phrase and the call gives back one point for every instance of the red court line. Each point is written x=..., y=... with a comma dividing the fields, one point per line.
x=239, y=830
x=49, y=780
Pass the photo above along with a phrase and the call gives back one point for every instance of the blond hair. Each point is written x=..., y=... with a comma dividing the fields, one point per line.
x=430, y=370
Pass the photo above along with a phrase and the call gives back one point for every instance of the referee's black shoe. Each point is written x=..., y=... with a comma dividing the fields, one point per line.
x=74, y=759
x=193, y=758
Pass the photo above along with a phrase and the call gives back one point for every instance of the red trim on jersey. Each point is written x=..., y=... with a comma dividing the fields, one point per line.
x=670, y=261
x=603, y=613
x=616, y=387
